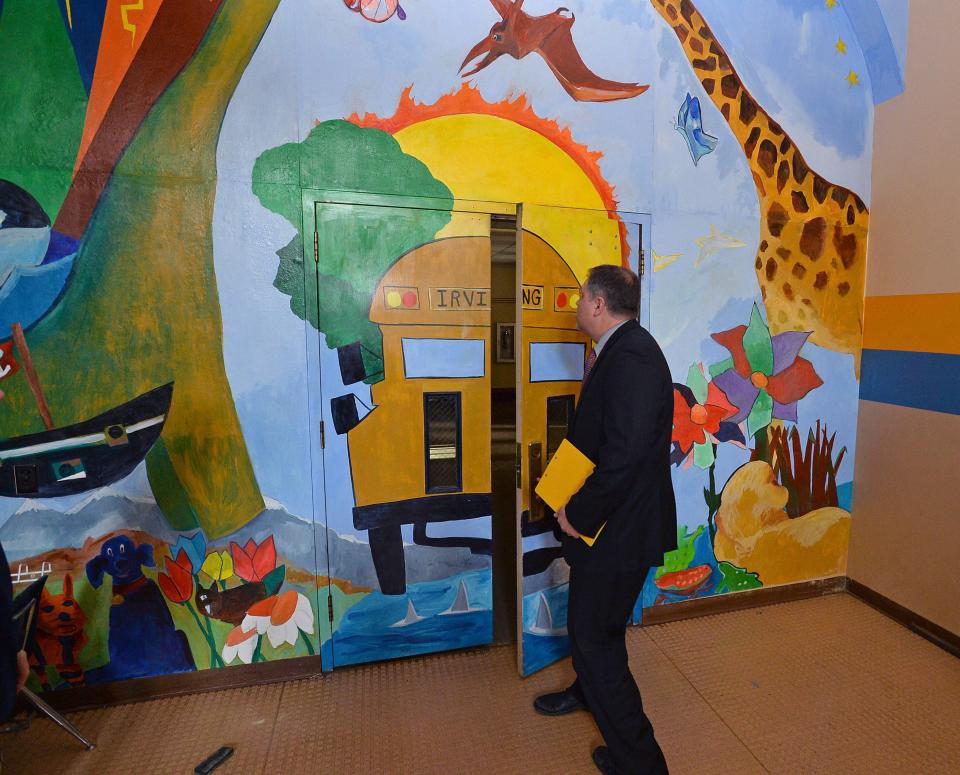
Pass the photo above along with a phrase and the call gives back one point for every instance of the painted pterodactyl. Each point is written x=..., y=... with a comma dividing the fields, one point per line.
x=519, y=34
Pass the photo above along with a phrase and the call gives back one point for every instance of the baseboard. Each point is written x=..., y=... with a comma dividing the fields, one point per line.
x=137, y=689
x=948, y=641
x=739, y=601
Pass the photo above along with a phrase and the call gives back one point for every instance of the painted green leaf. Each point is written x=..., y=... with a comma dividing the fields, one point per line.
x=703, y=455
x=761, y=414
x=681, y=557
x=757, y=343
x=737, y=579
x=697, y=383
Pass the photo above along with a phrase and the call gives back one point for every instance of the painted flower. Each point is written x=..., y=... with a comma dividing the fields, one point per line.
x=765, y=377
x=218, y=565
x=240, y=644
x=700, y=410
x=177, y=582
x=252, y=562
x=281, y=617
x=195, y=547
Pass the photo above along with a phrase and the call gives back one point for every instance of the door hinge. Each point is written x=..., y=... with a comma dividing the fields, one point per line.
x=643, y=262
x=323, y=435
x=330, y=607
x=316, y=246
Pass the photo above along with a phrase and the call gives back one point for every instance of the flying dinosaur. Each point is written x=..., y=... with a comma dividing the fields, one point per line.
x=519, y=33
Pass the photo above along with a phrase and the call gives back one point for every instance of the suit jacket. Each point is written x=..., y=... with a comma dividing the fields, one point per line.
x=623, y=422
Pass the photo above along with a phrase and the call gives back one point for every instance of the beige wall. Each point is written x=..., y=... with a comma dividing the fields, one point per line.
x=905, y=542
x=914, y=203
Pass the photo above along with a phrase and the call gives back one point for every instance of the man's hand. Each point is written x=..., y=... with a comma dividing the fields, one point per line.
x=565, y=525
x=23, y=670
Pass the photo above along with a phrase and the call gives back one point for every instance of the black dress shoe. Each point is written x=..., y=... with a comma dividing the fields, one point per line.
x=604, y=760
x=558, y=703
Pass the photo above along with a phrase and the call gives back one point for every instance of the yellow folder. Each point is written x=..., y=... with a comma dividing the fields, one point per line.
x=567, y=471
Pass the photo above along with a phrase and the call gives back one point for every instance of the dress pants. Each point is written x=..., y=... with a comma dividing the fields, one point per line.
x=601, y=600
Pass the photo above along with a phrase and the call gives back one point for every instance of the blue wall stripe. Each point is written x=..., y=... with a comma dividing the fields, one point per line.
x=918, y=380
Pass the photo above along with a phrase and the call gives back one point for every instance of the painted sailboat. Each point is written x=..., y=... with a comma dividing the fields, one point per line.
x=86, y=455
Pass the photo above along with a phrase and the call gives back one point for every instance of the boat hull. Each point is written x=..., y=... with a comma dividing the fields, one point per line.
x=87, y=455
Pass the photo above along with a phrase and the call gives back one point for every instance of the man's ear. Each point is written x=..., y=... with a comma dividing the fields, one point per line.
x=95, y=569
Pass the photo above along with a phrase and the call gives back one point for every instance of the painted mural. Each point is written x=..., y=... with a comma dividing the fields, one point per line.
x=245, y=317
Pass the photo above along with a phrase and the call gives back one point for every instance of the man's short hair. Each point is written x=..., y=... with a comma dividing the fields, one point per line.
x=619, y=287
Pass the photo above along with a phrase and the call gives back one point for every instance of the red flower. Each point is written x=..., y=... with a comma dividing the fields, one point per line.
x=177, y=582
x=252, y=562
x=692, y=423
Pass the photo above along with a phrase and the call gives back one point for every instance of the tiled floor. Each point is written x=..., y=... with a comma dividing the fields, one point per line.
x=820, y=686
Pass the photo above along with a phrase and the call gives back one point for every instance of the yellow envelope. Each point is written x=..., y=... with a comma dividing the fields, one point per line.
x=567, y=471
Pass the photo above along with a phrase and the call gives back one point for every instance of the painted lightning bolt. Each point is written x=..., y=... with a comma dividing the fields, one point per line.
x=125, y=19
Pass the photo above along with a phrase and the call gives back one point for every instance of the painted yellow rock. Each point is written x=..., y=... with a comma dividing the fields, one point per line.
x=754, y=531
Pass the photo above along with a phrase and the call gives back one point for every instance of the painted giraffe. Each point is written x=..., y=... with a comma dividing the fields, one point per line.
x=811, y=259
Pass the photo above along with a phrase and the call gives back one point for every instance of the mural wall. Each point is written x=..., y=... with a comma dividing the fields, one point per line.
x=217, y=235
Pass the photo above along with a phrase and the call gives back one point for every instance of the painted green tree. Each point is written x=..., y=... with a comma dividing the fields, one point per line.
x=356, y=243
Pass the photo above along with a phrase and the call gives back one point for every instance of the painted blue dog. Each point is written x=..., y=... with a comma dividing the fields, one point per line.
x=143, y=640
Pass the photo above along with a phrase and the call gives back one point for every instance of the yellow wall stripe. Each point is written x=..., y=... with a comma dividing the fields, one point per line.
x=928, y=322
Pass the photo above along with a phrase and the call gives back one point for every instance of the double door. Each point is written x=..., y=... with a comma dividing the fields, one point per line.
x=402, y=392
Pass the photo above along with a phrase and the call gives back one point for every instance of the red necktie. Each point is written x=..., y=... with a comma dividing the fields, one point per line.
x=588, y=365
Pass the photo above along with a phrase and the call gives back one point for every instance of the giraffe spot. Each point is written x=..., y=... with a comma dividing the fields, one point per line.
x=714, y=46
x=861, y=207
x=820, y=188
x=729, y=86
x=785, y=145
x=782, y=317
x=671, y=12
x=687, y=10
x=813, y=238
x=840, y=196
x=843, y=289
x=763, y=292
x=682, y=32
x=851, y=218
x=771, y=268
x=767, y=157
x=821, y=282
x=748, y=108
x=704, y=32
x=799, y=270
x=784, y=253
x=724, y=62
x=751, y=142
x=782, y=174
x=802, y=314
x=708, y=85
x=763, y=246
x=704, y=64
x=758, y=181
x=834, y=264
x=696, y=45
x=788, y=291
x=777, y=218
x=800, y=168
x=725, y=110
x=759, y=263
x=774, y=127
x=846, y=245
x=799, y=202
x=807, y=302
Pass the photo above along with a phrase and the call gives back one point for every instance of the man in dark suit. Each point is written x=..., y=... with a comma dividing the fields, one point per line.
x=623, y=423
x=13, y=660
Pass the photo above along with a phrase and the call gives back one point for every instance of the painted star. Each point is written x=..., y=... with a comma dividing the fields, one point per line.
x=853, y=79
x=841, y=46
x=831, y=3
x=664, y=260
x=714, y=242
